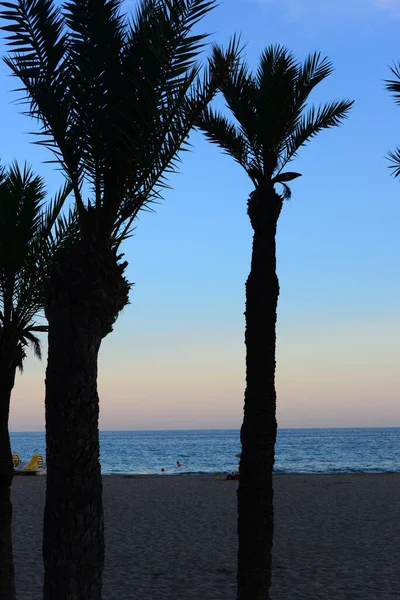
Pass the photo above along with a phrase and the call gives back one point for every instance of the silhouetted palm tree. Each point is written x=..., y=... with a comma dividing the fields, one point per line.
x=26, y=242
x=393, y=85
x=117, y=98
x=271, y=122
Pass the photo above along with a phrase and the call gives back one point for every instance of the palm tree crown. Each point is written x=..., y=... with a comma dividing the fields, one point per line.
x=116, y=96
x=272, y=117
x=26, y=243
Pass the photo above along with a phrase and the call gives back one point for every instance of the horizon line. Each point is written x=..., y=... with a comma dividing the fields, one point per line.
x=230, y=429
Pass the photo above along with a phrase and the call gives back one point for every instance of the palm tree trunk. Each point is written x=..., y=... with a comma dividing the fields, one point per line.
x=86, y=294
x=258, y=432
x=7, y=585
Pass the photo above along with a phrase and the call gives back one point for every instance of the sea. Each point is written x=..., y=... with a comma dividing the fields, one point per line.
x=363, y=450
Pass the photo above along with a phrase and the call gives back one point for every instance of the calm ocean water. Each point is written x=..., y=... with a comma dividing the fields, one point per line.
x=298, y=450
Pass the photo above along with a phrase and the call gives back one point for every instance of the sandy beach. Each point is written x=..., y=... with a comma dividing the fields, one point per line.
x=174, y=537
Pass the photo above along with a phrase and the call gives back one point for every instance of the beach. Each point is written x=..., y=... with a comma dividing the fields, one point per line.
x=174, y=537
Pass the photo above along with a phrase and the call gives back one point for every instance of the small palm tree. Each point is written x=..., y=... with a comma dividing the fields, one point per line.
x=26, y=239
x=271, y=122
x=117, y=99
x=393, y=85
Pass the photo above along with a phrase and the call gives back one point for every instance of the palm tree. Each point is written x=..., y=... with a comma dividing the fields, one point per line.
x=117, y=99
x=393, y=85
x=271, y=123
x=26, y=238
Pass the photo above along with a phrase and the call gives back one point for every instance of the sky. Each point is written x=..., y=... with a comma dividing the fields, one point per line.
x=176, y=358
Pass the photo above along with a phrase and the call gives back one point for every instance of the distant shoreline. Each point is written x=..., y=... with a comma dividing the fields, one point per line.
x=225, y=429
x=276, y=475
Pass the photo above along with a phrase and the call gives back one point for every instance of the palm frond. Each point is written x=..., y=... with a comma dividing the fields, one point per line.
x=175, y=19
x=241, y=94
x=283, y=179
x=53, y=209
x=28, y=192
x=276, y=64
x=36, y=37
x=19, y=357
x=96, y=38
x=313, y=122
x=28, y=338
x=141, y=107
x=29, y=237
x=287, y=192
x=39, y=56
x=180, y=109
x=156, y=101
x=51, y=244
x=218, y=130
x=21, y=200
x=116, y=97
x=276, y=81
x=310, y=73
x=394, y=158
x=393, y=85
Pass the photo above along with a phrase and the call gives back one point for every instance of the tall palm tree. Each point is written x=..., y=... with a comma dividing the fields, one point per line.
x=393, y=85
x=271, y=122
x=26, y=239
x=117, y=99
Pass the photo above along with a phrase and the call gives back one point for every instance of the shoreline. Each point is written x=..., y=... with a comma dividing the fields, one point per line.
x=275, y=475
x=223, y=473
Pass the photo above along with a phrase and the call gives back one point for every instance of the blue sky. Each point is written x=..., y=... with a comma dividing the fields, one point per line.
x=176, y=357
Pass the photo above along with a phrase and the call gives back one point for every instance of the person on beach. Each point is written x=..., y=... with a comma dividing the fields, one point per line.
x=178, y=463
